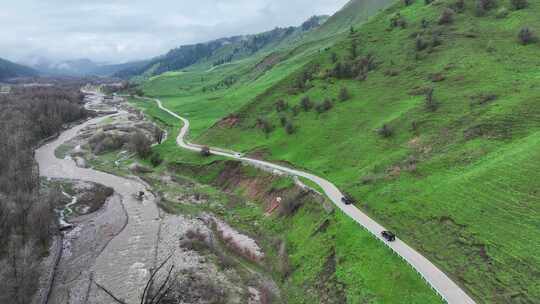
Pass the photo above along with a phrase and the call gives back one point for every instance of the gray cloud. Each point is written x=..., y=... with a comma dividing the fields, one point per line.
x=120, y=30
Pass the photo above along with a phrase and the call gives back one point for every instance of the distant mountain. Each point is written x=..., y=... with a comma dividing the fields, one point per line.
x=224, y=50
x=80, y=67
x=9, y=69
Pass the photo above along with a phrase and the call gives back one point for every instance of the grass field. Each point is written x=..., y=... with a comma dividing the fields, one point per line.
x=460, y=183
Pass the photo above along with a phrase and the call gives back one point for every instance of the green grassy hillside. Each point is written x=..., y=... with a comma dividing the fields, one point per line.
x=455, y=177
x=354, y=13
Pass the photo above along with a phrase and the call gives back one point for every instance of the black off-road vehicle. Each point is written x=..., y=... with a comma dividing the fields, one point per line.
x=347, y=199
x=388, y=235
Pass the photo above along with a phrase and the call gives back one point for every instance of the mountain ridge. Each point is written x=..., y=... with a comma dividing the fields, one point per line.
x=10, y=69
x=223, y=50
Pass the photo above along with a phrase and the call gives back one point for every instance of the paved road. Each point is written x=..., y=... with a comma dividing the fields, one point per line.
x=124, y=264
x=437, y=279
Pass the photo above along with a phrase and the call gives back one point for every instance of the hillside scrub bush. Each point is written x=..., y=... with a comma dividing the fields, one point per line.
x=385, y=131
x=290, y=205
x=397, y=20
x=483, y=98
x=526, y=36
x=447, y=16
x=430, y=103
x=289, y=128
x=428, y=2
x=483, y=6
x=306, y=103
x=283, y=120
x=458, y=6
x=342, y=70
x=424, y=23
x=420, y=44
x=296, y=110
x=325, y=106
x=334, y=57
x=155, y=159
x=363, y=66
x=436, y=39
x=281, y=105
x=408, y=2
x=354, y=49
x=344, y=94
x=265, y=125
x=139, y=92
x=519, y=4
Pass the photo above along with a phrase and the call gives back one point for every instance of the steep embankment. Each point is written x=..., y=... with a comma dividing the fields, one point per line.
x=454, y=172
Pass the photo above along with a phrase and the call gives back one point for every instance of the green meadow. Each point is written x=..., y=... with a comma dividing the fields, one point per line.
x=458, y=180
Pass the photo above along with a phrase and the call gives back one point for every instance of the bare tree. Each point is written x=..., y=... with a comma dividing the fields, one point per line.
x=154, y=291
x=140, y=144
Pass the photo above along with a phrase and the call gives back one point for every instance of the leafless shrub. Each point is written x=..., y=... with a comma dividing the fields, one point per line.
x=156, y=290
x=140, y=144
x=447, y=16
x=194, y=288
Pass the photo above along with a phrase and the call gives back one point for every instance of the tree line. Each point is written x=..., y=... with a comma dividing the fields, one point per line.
x=27, y=217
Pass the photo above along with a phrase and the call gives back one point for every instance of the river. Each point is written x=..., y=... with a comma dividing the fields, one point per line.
x=124, y=248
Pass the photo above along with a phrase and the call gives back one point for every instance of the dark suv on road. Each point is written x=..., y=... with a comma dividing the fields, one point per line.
x=388, y=235
x=347, y=199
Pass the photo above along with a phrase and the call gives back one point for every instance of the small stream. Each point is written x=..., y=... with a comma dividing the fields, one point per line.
x=66, y=211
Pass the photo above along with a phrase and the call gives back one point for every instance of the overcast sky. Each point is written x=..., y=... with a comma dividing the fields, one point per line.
x=121, y=30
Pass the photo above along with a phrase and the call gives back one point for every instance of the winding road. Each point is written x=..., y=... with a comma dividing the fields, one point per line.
x=123, y=266
x=437, y=279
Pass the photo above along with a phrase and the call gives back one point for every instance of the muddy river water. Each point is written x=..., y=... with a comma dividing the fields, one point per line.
x=125, y=234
